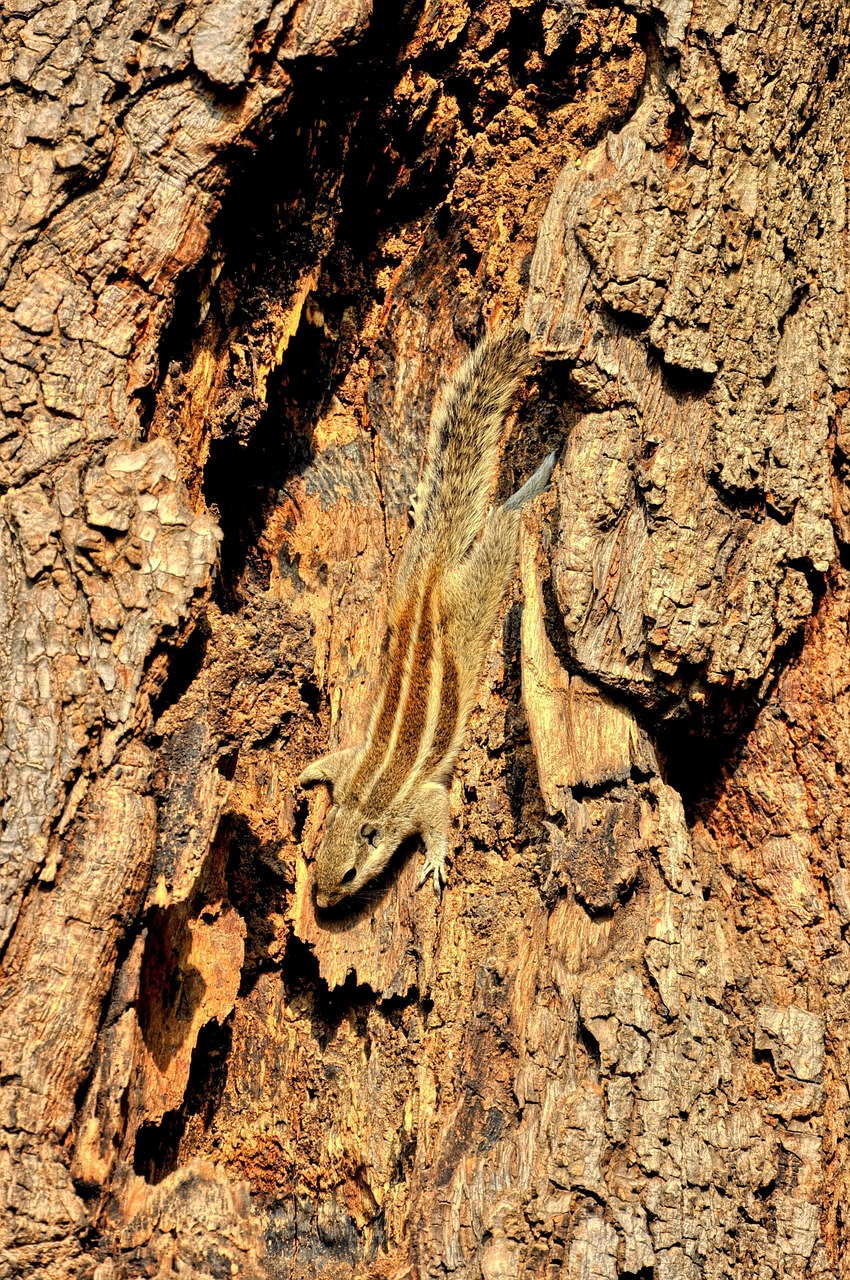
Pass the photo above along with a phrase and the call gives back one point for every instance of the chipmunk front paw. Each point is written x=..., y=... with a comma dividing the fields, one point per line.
x=435, y=865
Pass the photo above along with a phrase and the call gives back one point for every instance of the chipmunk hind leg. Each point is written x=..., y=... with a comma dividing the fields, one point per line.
x=535, y=484
x=478, y=586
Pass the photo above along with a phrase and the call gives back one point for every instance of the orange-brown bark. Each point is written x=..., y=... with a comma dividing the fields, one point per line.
x=244, y=243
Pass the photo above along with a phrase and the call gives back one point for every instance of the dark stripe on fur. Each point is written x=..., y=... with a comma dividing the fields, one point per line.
x=414, y=713
x=398, y=649
x=447, y=721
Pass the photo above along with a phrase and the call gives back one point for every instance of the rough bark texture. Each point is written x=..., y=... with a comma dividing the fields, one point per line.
x=242, y=240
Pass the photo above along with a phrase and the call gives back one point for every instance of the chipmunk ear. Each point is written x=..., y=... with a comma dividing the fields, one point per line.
x=327, y=768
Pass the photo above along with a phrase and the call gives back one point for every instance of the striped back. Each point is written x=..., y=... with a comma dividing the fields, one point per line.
x=419, y=718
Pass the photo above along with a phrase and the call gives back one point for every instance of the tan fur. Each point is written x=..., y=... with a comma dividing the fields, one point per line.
x=451, y=578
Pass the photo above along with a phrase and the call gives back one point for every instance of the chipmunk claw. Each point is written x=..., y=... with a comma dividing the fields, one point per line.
x=435, y=865
x=416, y=501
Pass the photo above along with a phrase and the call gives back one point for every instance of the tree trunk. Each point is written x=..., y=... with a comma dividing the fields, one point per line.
x=243, y=243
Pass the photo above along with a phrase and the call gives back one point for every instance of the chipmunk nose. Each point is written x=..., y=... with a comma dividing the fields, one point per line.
x=322, y=901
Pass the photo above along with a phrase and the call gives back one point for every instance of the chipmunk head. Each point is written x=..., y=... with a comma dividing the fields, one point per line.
x=354, y=850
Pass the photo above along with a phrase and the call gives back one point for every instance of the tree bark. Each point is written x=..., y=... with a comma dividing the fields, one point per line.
x=243, y=242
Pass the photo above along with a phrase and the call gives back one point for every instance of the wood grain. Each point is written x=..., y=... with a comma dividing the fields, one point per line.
x=241, y=245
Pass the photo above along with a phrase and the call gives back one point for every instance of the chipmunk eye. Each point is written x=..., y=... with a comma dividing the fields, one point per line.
x=368, y=832
x=349, y=875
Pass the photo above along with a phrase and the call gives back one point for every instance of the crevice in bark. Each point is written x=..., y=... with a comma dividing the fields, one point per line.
x=242, y=480
x=276, y=223
x=170, y=990
x=311, y=695
x=186, y=662
x=700, y=751
x=694, y=756
x=157, y=1146
x=256, y=885
x=300, y=972
x=590, y=1044
x=685, y=383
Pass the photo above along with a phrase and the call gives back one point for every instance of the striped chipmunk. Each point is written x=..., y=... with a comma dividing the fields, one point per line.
x=453, y=570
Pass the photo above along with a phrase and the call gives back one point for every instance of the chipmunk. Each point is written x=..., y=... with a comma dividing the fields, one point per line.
x=453, y=571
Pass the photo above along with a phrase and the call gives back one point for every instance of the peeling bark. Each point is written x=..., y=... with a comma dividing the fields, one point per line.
x=242, y=242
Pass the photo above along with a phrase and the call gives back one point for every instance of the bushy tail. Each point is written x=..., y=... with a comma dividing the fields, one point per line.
x=463, y=446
